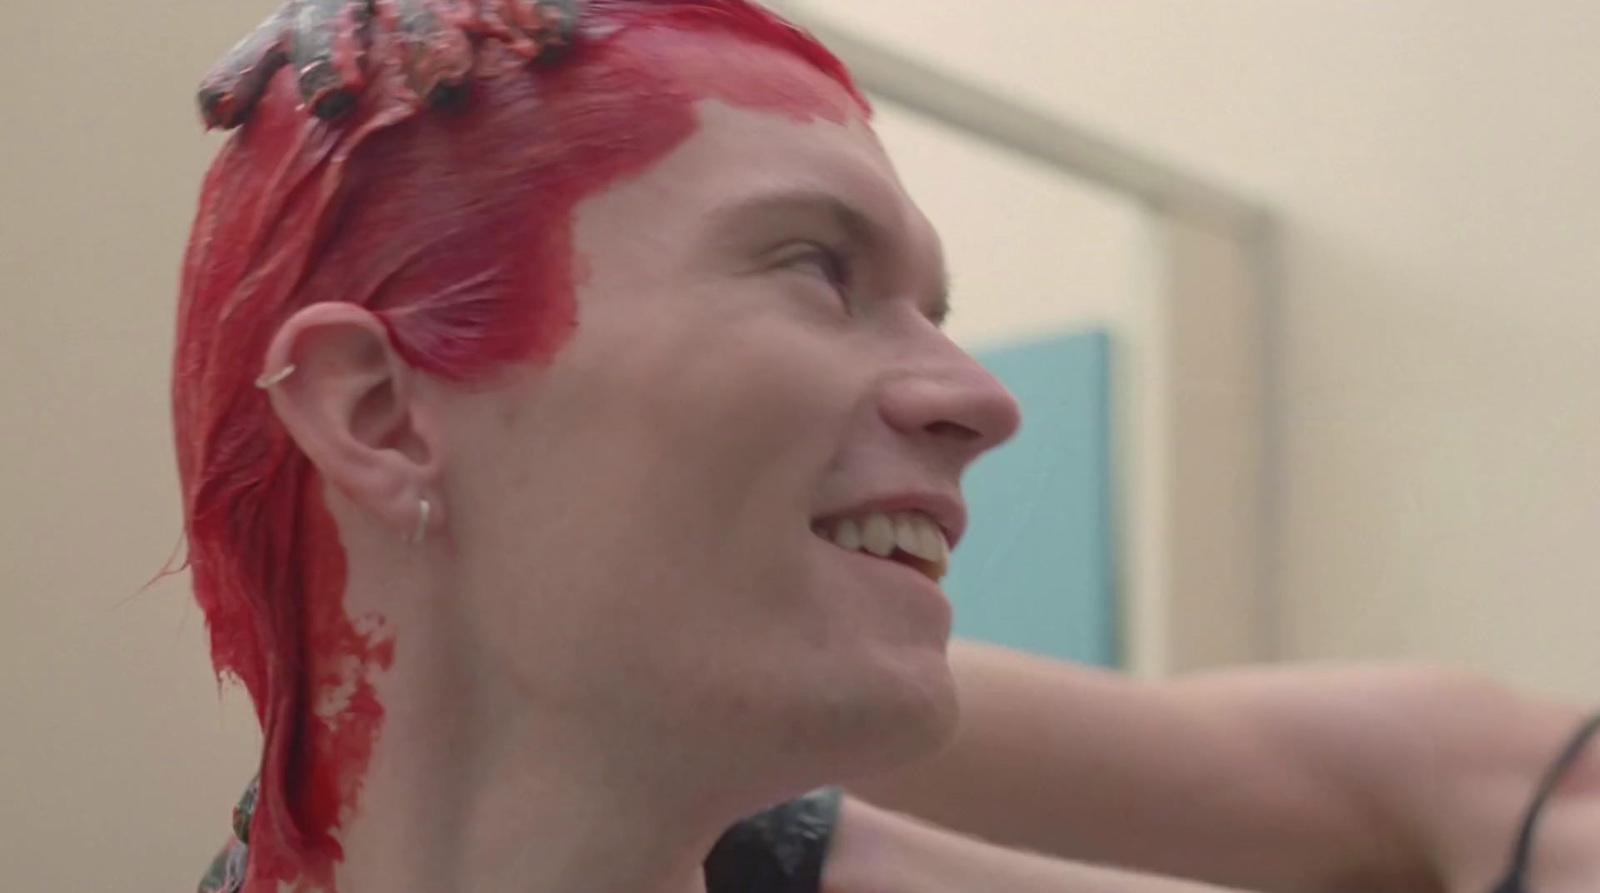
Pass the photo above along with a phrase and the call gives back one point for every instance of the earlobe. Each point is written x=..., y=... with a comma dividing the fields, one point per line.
x=347, y=398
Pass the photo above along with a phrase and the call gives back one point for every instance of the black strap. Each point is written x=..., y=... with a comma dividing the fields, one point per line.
x=1522, y=854
x=781, y=850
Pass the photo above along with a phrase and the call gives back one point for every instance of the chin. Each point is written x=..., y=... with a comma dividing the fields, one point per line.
x=901, y=713
x=828, y=720
x=932, y=712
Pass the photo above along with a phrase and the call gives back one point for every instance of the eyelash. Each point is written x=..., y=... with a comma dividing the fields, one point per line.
x=836, y=266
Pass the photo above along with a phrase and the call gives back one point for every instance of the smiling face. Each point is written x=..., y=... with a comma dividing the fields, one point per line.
x=719, y=513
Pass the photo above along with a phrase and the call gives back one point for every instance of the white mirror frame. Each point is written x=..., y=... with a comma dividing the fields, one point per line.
x=1197, y=495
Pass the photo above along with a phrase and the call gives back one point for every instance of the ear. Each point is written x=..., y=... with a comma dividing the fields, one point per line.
x=350, y=403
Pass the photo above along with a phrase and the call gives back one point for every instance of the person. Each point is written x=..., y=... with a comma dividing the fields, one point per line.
x=568, y=475
x=1394, y=779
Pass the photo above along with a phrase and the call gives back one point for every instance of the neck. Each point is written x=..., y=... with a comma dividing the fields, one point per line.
x=444, y=808
x=463, y=787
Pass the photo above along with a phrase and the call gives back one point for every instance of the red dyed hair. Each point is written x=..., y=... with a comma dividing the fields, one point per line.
x=455, y=229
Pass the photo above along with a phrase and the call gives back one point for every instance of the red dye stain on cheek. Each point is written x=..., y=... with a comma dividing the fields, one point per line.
x=582, y=270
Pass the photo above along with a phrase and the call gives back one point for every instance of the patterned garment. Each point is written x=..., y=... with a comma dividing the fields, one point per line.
x=226, y=874
x=781, y=850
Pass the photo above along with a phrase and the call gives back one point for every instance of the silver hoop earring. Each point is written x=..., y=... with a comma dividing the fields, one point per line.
x=273, y=379
x=424, y=510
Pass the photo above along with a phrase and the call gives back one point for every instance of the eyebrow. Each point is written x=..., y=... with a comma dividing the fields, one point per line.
x=857, y=224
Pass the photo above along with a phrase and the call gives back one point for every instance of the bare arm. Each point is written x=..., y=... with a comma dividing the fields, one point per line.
x=1295, y=780
x=876, y=851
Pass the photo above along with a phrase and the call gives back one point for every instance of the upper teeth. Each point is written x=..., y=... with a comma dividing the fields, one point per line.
x=913, y=533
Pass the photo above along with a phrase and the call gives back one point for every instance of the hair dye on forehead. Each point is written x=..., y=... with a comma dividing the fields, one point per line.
x=455, y=228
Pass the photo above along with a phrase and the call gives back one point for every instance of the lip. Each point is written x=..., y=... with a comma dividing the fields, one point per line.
x=949, y=512
x=922, y=594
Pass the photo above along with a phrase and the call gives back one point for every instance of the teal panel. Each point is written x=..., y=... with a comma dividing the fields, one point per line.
x=1036, y=569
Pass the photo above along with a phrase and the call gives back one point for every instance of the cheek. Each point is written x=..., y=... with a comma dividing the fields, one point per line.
x=681, y=444
x=767, y=395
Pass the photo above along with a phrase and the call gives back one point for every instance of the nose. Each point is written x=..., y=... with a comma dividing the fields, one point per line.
x=954, y=403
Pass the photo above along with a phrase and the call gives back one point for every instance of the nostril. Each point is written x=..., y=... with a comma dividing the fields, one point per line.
x=953, y=431
x=963, y=408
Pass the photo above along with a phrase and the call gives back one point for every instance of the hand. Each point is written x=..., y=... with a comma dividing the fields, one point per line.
x=328, y=44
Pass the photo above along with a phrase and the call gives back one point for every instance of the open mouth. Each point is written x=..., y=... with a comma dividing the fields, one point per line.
x=908, y=538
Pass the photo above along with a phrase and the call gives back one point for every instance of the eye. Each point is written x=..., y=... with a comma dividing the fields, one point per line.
x=830, y=265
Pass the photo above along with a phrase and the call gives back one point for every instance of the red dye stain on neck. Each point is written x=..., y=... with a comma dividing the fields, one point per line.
x=341, y=715
x=344, y=715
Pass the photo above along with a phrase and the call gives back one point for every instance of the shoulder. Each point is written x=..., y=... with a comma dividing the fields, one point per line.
x=227, y=870
x=1437, y=765
x=226, y=873
x=1457, y=759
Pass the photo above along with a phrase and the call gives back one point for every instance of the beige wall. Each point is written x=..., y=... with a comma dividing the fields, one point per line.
x=1440, y=333
x=118, y=759
x=1440, y=378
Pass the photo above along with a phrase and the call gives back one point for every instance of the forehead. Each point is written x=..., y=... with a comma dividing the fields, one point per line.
x=755, y=168
x=738, y=153
x=776, y=143
x=767, y=121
